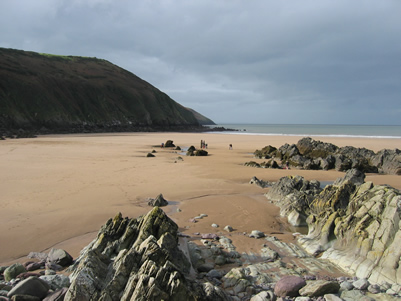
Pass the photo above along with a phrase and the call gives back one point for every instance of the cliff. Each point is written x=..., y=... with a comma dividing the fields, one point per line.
x=75, y=94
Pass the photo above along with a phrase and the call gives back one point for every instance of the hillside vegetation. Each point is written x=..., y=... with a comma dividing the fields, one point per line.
x=74, y=94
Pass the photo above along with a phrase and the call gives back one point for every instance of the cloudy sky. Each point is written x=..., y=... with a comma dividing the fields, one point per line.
x=259, y=61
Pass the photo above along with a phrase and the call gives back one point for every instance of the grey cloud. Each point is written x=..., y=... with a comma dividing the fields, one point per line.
x=234, y=61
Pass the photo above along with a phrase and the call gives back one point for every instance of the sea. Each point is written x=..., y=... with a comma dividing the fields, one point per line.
x=310, y=130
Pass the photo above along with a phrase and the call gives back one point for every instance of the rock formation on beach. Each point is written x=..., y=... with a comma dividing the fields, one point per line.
x=43, y=93
x=354, y=224
x=146, y=258
x=314, y=154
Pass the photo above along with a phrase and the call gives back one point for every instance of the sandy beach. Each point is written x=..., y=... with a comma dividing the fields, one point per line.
x=56, y=191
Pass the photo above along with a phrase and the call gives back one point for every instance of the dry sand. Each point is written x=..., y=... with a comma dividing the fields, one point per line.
x=56, y=191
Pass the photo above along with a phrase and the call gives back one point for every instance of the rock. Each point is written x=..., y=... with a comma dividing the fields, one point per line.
x=332, y=297
x=150, y=155
x=201, y=152
x=289, y=286
x=56, y=281
x=257, y=234
x=206, y=267
x=31, y=286
x=263, y=296
x=60, y=257
x=169, y=143
x=361, y=284
x=260, y=183
x=13, y=271
x=212, y=273
x=209, y=236
x=228, y=228
x=374, y=289
x=319, y=288
x=159, y=201
x=353, y=176
x=215, y=225
x=35, y=266
x=57, y=295
x=346, y=286
x=265, y=153
x=220, y=260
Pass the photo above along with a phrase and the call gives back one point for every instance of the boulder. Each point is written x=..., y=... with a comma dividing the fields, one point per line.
x=31, y=286
x=13, y=271
x=169, y=143
x=60, y=257
x=201, y=152
x=159, y=201
x=289, y=286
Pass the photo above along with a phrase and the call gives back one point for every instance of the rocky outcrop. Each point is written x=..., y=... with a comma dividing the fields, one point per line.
x=355, y=225
x=159, y=201
x=133, y=259
x=313, y=154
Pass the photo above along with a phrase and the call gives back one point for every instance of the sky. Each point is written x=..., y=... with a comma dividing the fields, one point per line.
x=251, y=61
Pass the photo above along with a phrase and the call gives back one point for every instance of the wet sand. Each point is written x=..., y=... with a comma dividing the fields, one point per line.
x=56, y=191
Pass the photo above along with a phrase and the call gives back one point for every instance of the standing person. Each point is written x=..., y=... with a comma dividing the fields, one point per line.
x=230, y=146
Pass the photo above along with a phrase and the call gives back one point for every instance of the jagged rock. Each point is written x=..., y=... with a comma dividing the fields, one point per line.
x=319, y=288
x=289, y=286
x=314, y=148
x=56, y=281
x=354, y=225
x=354, y=176
x=31, y=286
x=150, y=155
x=13, y=271
x=388, y=161
x=132, y=259
x=313, y=154
x=265, y=153
x=159, y=201
x=60, y=257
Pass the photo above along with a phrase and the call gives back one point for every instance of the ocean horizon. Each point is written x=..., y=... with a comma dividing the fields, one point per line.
x=329, y=130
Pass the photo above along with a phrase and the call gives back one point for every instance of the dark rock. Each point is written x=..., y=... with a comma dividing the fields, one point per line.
x=353, y=176
x=159, y=201
x=32, y=286
x=289, y=286
x=315, y=149
x=60, y=257
x=265, y=153
x=169, y=143
x=191, y=149
x=150, y=155
x=201, y=152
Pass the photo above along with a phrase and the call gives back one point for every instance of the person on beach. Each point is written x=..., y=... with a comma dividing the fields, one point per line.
x=230, y=146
